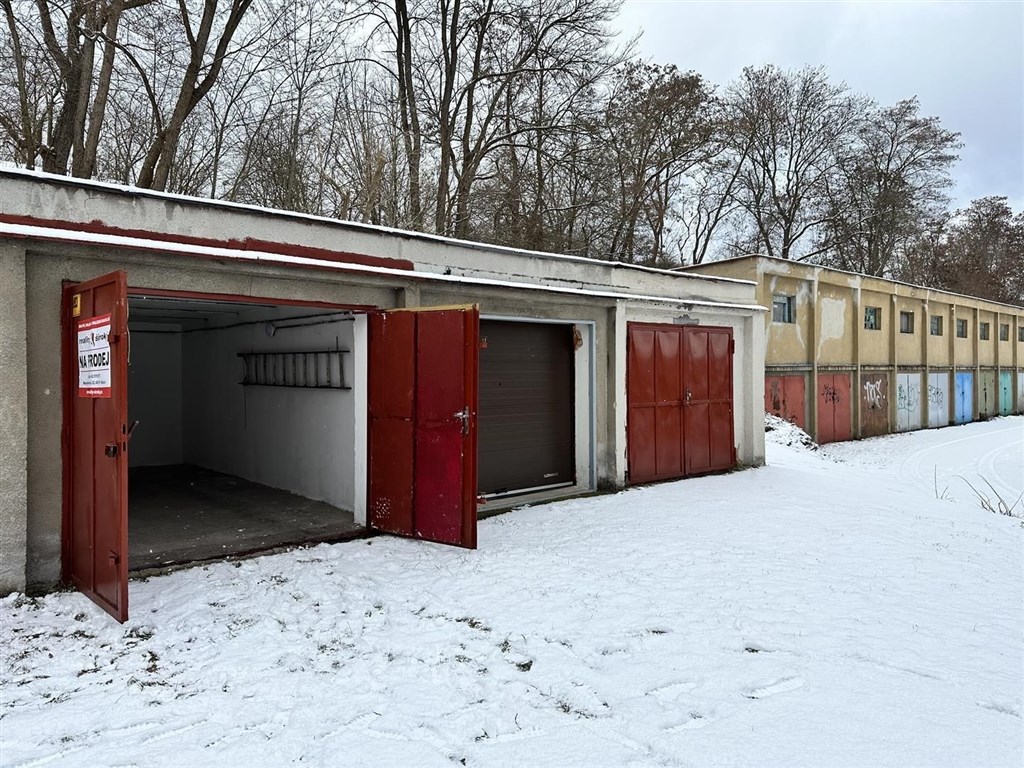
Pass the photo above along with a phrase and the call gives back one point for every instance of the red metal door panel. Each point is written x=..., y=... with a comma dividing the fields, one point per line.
x=667, y=368
x=95, y=536
x=642, y=445
x=697, y=438
x=668, y=440
x=720, y=419
x=641, y=418
x=720, y=366
x=828, y=397
x=784, y=397
x=696, y=364
x=834, y=407
x=441, y=349
x=422, y=425
x=392, y=376
x=668, y=437
x=708, y=416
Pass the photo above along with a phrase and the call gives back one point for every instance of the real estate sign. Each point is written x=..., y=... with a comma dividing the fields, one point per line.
x=94, y=356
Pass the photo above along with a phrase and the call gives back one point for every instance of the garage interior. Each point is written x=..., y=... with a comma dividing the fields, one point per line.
x=243, y=428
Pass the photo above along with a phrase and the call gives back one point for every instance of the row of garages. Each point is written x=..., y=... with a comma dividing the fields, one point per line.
x=851, y=356
x=869, y=403
x=182, y=380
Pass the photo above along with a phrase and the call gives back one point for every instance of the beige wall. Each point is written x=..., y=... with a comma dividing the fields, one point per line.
x=829, y=330
x=835, y=310
x=963, y=348
x=788, y=342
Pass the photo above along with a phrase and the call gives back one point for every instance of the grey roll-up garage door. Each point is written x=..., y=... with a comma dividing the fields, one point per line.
x=526, y=412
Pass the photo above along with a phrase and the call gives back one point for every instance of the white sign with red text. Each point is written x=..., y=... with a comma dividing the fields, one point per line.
x=94, y=356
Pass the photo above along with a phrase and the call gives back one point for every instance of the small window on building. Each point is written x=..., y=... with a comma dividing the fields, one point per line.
x=873, y=318
x=936, y=325
x=906, y=322
x=783, y=309
x=1004, y=332
x=961, y=329
x=983, y=331
x=1020, y=333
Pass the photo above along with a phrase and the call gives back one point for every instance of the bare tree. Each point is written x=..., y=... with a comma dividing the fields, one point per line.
x=890, y=183
x=978, y=251
x=795, y=125
x=63, y=127
x=205, y=54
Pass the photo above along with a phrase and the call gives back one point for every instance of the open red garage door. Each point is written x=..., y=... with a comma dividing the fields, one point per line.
x=422, y=423
x=95, y=535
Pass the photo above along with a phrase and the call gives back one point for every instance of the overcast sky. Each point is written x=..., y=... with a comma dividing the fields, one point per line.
x=964, y=62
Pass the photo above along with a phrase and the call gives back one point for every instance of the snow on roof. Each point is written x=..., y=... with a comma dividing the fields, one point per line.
x=354, y=225
x=163, y=246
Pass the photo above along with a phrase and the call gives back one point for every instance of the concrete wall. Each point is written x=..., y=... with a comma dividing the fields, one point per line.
x=299, y=440
x=136, y=210
x=154, y=394
x=14, y=436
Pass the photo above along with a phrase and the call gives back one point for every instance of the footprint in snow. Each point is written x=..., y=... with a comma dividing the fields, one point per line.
x=671, y=690
x=779, y=686
x=693, y=720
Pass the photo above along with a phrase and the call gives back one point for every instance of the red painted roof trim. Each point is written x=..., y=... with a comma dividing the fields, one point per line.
x=246, y=244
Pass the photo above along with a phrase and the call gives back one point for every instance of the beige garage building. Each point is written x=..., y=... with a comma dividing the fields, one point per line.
x=849, y=355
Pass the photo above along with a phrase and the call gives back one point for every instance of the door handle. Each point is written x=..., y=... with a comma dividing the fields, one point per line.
x=689, y=395
x=463, y=416
x=110, y=450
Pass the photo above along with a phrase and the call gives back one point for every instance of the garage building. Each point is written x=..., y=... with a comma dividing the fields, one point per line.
x=852, y=355
x=185, y=379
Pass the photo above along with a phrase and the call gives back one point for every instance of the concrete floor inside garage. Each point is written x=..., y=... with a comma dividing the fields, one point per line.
x=243, y=431
x=182, y=514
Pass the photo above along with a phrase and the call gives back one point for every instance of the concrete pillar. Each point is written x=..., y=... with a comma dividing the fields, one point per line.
x=407, y=297
x=14, y=418
x=616, y=360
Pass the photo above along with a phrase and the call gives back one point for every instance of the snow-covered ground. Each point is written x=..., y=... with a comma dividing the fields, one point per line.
x=826, y=610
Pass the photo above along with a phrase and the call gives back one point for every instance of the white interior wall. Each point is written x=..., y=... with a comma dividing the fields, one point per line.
x=154, y=394
x=300, y=440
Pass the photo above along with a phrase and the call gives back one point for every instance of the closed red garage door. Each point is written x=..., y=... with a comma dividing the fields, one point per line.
x=679, y=393
x=834, y=407
x=527, y=411
x=784, y=397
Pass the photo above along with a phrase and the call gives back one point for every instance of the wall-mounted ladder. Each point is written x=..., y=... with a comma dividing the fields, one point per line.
x=301, y=370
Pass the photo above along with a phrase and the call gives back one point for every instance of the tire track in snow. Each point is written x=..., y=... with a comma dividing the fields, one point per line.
x=912, y=465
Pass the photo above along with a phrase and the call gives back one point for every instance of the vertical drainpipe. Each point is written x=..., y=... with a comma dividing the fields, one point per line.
x=812, y=332
x=617, y=330
x=858, y=329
